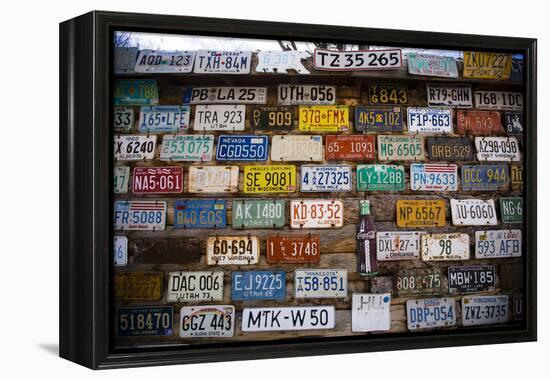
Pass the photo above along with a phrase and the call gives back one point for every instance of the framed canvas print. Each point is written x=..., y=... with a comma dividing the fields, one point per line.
x=235, y=189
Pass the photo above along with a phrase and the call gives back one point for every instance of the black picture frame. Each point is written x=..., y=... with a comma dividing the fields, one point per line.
x=86, y=55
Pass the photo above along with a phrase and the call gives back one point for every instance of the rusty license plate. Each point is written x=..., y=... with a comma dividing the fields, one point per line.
x=295, y=249
x=478, y=122
x=350, y=148
x=450, y=149
x=138, y=286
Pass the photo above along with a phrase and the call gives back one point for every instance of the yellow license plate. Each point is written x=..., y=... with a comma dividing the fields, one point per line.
x=269, y=179
x=487, y=65
x=421, y=213
x=324, y=118
x=138, y=286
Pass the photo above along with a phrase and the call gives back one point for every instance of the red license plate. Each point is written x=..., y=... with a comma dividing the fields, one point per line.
x=478, y=122
x=158, y=180
x=350, y=148
x=295, y=249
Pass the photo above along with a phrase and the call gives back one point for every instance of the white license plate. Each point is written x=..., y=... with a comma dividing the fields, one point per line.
x=187, y=148
x=497, y=149
x=316, y=213
x=134, y=147
x=120, y=254
x=121, y=178
x=430, y=313
x=473, y=212
x=432, y=65
x=221, y=95
x=398, y=245
x=445, y=247
x=497, y=243
x=219, y=117
x=288, y=318
x=370, y=312
x=140, y=215
x=325, y=178
x=499, y=100
x=213, y=179
x=195, y=286
x=296, y=148
x=279, y=62
x=320, y=283
x=220, y=61
x=430, y=120
x=123, y=119
x=208, y=321
x=484, y=310
x=324, y=59
x=401, y=148
x=232, y=250
x=290, y=94
x=158, y=119
x=444, y=95
x=434, y=177
x=163, y=61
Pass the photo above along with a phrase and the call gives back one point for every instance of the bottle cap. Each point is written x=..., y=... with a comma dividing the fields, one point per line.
x=364, y=207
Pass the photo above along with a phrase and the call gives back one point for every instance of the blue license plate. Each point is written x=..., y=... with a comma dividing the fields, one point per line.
x=242, y=148
x=485, y=177
x=262, y=285
x=200, y=213
x=517, y=70
x=138, y=92
x=145, y=321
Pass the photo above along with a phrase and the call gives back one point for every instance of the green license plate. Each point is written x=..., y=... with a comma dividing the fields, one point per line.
x=258, y=213
x=137, y=92
x=511, y=210
x=380, y=178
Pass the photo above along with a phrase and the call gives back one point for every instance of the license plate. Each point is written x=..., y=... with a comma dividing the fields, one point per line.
x=378, y=119
x=134, y=148
x=187, y=148
x=497, y=149
x=157, y=180
x=388, y=94
x=370, y=312
x=123, y=119
x=511, y=210
x=137, y=92
x=325, y=178
x=273, y=118
x=323, y=118
x=432, y=65
x=517, y=70
x=121, y=178
x=431, y=313
x=516, y=176
x=498, y=243
x=163, y=61
x=138, y=286
x=473, y=212
x=484, y=310
x=335, y=60
x=296, y=148
x=483, y=65
x=158, y=119
x=124, y=60
x=213, y=179
x=140, y=215
x=209, y=321
x=269, y=179
x=145, y=321
x=200, y=213
x=518, y=311
x=255, y=286
x=350, y=148
x=420, y=213
x=120, y=253
x=251, y=213
x=485, y=178
x=194, y=286
x=446, y=95
x=378, y=177
x=401, y=148
x=499, y=100
x=320, y=283
x=288, y=318
x=316, y=213
x=434, y=177
x=478, y=122
x=295, y=249
x=181, y=250
x=290, y=94
x=450, y=149
x=279, y=62
x=219, y=117
x=513, y=123
x=232, y=250
x=419, y=281
x=242, y=148
x=221, y=95
x=430, y=120
x=398, y=245
x=471, y=279
x=220, y=61
x=445, y=247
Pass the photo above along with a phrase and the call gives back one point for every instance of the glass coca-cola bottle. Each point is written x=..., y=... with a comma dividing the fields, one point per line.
x=366, y=242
